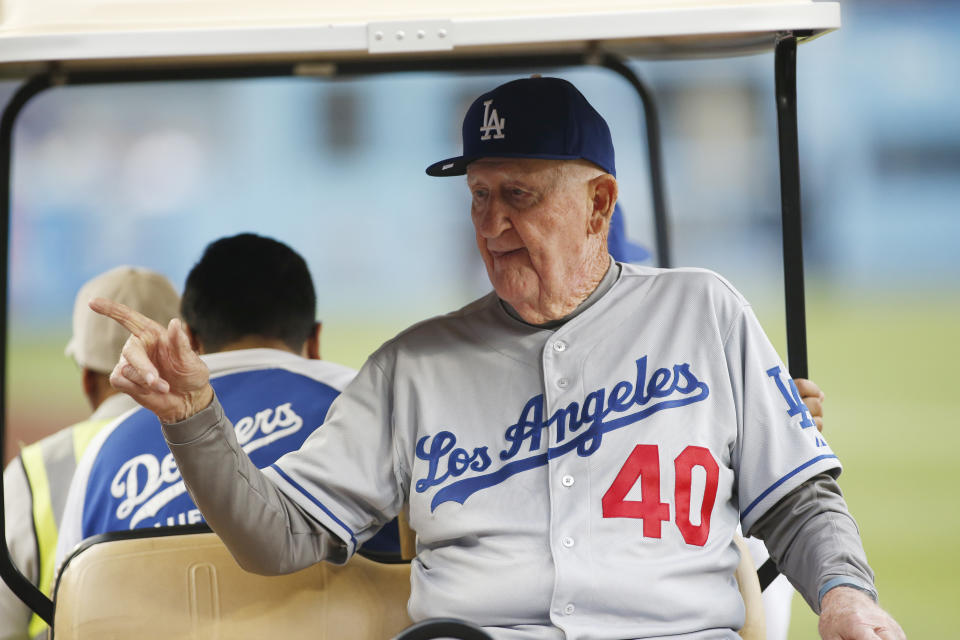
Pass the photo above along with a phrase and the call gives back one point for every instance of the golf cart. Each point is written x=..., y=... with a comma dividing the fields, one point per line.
x=61, y=44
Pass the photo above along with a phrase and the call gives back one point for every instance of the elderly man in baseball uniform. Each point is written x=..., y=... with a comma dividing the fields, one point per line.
x=36, y=482
x=577, y=447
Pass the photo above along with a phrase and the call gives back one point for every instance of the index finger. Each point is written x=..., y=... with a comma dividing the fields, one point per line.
x=133, y=321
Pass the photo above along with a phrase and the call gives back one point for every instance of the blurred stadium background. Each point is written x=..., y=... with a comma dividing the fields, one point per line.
x=149, y=174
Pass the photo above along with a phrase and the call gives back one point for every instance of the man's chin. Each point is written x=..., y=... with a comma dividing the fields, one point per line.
x=516, y=295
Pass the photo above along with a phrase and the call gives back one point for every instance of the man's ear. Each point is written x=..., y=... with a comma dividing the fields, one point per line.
x=88, y=381
x=603, y=192
x=195, y=343
x=311, y=348
x=96, y=386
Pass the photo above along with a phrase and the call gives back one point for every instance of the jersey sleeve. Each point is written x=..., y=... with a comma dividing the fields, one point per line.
x=21, y=541
x=778, y=445
x=347, y=474
x=71, y=532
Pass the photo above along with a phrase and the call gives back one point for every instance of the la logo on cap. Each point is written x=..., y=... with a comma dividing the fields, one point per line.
x=492, y=122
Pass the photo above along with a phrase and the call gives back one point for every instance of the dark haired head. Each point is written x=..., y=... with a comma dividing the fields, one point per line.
x=247, y=285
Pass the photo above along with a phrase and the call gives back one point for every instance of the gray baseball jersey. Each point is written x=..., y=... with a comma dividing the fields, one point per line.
x=582, y=482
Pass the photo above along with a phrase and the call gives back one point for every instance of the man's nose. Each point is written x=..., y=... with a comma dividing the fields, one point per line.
x=492, y=220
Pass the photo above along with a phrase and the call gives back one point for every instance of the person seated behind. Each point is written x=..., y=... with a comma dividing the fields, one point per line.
x=249, y=307
x=35, y=483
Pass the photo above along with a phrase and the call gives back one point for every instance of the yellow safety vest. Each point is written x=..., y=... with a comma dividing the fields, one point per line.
x=49, y=465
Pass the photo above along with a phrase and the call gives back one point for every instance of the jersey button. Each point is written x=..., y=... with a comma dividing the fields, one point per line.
x=567, y=542
x=567, y=481
x=559, y=346
x=563, y=383
x=569, y=609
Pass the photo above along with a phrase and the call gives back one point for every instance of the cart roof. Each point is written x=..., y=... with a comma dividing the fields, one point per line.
x=131, y=33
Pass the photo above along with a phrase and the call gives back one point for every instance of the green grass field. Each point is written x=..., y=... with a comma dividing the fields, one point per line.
x=886, y=367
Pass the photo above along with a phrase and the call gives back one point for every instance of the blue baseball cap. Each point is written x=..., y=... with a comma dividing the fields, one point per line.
x=532, y=118
x=619, y=246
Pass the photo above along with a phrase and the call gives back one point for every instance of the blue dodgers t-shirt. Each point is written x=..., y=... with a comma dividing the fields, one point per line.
x=134, y=482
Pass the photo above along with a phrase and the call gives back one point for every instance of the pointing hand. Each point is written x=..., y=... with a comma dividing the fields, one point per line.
x=158, y=368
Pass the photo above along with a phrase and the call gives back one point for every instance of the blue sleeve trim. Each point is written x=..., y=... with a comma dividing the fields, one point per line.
x=846, y=581
x=353, y=538
x=782, y=480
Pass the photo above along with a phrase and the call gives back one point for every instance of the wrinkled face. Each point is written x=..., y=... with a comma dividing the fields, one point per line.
x=533, y=226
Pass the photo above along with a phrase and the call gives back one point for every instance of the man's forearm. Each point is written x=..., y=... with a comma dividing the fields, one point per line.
x=814, y=540
x=265, y=531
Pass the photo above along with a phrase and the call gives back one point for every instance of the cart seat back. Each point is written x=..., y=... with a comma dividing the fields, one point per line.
x=755, y=626
x=189, y=586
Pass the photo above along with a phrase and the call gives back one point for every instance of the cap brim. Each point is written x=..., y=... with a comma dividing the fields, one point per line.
x=457, y=166
x=450, y=167
x=71, y=349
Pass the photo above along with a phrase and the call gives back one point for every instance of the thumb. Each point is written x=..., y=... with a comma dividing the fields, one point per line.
x=178, y=337
x=181, y=349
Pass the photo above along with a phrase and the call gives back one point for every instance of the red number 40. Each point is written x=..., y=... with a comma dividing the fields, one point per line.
x=644, y=463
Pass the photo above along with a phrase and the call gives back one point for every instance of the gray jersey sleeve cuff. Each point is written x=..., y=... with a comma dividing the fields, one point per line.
x=847, y=582
x=814, y=541
x=194, y=427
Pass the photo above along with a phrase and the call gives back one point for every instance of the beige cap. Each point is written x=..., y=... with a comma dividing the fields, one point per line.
x=97, y=341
